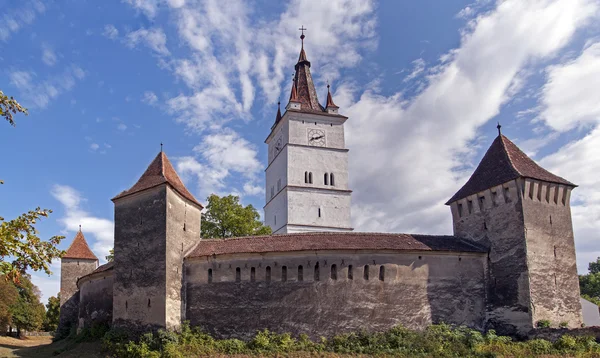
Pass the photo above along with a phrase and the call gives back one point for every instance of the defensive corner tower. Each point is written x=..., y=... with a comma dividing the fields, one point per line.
x=307, y=175
x=156, y=222
x=522, y=213
x=78, y=261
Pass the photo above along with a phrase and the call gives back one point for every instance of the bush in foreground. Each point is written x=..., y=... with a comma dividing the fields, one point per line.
x=436, y=341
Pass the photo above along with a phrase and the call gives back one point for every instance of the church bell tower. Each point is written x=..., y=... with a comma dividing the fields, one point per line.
x=307, y=175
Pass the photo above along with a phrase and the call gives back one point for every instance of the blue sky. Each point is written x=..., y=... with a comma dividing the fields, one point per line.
x=422, y=82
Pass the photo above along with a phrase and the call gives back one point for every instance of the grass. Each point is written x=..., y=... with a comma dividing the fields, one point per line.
x=43, y=347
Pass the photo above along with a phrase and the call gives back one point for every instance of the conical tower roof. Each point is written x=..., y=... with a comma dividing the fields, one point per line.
x=503, y=162
x=160, y=171
x=330, y=103
x=79, y=249
x=304, y=86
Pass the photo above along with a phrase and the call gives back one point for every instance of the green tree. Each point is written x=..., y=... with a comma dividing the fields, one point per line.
x=226, y=217
x=589, y=284
x=8, y=107
x=27, y=312
x=111, y=255
x=52, y=314
x=8, y=297
x=20, y=246
x=22, y=249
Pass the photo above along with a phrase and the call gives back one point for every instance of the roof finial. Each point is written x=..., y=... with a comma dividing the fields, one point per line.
x=79, y=227
x=302, y=28
x=161, y=147
x=328, y=86
x=499, y=126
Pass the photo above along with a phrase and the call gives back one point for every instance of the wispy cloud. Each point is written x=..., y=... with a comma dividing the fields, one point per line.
x=150, y=98
x=48, y=55
x=14, y=20
x=110, y=31
x=154, y=38
x=40, y=93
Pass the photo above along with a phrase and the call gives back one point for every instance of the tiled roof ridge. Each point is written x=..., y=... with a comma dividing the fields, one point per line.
x=295, y=242
x=79, y=249
x=166, y=175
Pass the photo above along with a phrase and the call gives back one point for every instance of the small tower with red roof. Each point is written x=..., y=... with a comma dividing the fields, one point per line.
x=78, y=261
x=157, y=221
x=522, y=213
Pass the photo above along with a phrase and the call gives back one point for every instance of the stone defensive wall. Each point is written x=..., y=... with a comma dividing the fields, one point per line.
x=96, y=297
x=323, y=284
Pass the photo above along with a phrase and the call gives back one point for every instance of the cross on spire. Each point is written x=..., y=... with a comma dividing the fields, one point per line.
x=161, y=147
x=499, y=126
x=302, y=28
x=79, y=227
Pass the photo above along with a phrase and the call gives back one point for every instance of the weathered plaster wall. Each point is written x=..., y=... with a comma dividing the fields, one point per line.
x=318, y=161
x=70, y=271
x=304, y=207
x=495, y=218
x=551, y=253
x=139, y=297
x=96, y=299
x=183, y=233
x=301, y=123
x=418, y=288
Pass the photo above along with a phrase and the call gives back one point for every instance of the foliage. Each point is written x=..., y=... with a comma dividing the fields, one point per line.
x=589, y=284
x=27, y=311
x=8, y=107
x=563, y=324
x=436, y=341
x=226, y=217
x=52, y=314
x=543, y=323
x=111, y=255
x=20, y=243
x=8, y=296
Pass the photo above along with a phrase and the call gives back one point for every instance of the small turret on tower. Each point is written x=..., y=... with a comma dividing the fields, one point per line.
x=79, y=260
x=330, y=107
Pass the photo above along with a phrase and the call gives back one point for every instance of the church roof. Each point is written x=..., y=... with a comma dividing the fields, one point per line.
x=160, y=171
x=503, y=162
x=79, y=249
x=333, y=241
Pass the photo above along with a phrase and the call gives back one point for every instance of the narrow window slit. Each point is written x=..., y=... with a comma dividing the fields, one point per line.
x=333, y=272
x=268, y=274
x=238, y=274
x=350, y=274
x=252, y=274
x=317, y=271
x=300, y=273
x=284, y=273
x=366, y=272
x=381, y=273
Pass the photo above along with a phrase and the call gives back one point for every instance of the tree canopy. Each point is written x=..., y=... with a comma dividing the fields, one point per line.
x=8, y=107
x=52, y=314
x=20, y=246
x=226, y=217
x=27, y=311
x=589, y=284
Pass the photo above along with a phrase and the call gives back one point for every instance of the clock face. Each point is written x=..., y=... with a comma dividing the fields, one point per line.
x=278, y=145
x=316, y=137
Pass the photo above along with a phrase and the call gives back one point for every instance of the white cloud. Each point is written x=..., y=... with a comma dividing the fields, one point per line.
x=226, y=56
x=94, y=146
x=418, y=68
x=13, y=20
x=102, y=230
x=39, y=94
x=148, y=7
x=176, y=3
x=122, y=127
x=149, y=97
x=154, y=38
x=48, y=56
x=568, y=96
x=219, y=156
x=409, y=155
x=110, y=31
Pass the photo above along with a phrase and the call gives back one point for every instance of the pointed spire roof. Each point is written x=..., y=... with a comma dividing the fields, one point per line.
x=330, y=103
x=503, y=162
x=278, y=117
x=305, y=88
x=294, y=92
x=79, y=249
x=160, y=171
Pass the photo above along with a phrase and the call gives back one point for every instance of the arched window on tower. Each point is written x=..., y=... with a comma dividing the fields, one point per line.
x=326, y=179
x=309, y=177
x=306, y=177
x=331, y=180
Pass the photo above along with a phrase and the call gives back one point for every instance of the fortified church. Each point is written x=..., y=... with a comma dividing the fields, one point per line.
x=509, y=263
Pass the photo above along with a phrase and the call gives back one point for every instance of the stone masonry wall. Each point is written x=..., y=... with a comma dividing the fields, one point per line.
x=71, y=270
x=495, y=218
x=140, y=260
x=183, y=233
x=327, y=293
x=551, y=253
x=96, y=299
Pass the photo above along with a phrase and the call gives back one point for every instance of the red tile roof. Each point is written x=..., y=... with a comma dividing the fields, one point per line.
x=160, y=171
x=278, y=117
x=333, y=241
x=79, y=249
x=503, y=162
x=330, y=103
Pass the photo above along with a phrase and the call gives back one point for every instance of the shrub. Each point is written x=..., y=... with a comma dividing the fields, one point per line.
x=543, y=323
x=563, y=324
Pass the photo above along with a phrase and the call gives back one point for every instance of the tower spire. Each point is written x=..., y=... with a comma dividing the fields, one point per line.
x=330, y=106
